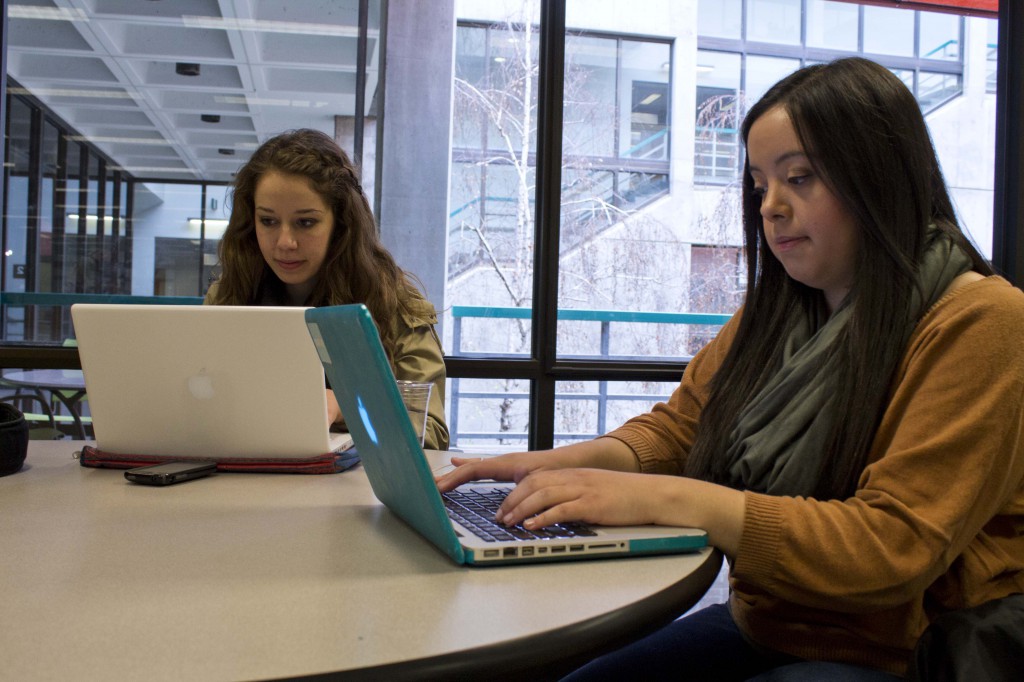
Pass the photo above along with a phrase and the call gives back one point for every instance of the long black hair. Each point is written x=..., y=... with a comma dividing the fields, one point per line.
x=864, y=135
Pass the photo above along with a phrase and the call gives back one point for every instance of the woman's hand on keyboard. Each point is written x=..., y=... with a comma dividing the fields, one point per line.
x=595, y=496
x=601, y=453
x=511, y=467
x=612, y=498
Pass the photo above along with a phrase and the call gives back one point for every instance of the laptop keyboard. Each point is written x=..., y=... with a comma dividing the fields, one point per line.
x=475, y=509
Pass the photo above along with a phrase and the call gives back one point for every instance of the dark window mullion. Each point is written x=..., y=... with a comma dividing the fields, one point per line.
x=34, y=207
x=1008, y=216
x=358, y=122
x=114, y=258
x=548, y=179
x=99, y=275
x=83, y=211
x=60, y=211
x=201, y=284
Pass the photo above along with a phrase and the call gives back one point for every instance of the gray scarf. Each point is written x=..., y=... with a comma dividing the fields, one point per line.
x=779, y=440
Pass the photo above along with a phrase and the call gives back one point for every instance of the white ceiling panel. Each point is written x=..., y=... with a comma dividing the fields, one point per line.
x=109, y=69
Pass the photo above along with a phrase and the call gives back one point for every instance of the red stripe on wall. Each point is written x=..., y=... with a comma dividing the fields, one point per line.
x=985, y=5
x=977, y=8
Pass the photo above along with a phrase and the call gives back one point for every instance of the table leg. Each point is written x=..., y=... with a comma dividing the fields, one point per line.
x=71, y=403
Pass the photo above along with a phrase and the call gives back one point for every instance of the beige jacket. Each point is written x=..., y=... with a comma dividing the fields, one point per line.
x=418, y=357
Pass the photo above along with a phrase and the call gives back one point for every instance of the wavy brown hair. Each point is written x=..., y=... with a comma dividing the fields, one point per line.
x=357, y=267
x=865, y=135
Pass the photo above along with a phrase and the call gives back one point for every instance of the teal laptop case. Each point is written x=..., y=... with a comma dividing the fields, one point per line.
x=400, y=475
x=349, y=346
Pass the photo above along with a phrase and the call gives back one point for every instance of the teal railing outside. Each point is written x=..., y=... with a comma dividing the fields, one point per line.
x=602, y=396
x=460, y=312
x=655, y=144
x=47, y=299
x=605, y=318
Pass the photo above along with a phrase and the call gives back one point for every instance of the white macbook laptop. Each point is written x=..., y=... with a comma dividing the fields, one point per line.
x=460, y=523
x=213, y=382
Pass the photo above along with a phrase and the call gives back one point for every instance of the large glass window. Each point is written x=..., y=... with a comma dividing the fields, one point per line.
x=104, y=195
x=619, y=99
x=650, y=253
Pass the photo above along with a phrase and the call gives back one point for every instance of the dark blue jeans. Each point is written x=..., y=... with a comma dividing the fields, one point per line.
x=707, y=645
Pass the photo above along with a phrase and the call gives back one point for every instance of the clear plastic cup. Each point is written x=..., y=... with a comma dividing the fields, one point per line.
x=416, y=397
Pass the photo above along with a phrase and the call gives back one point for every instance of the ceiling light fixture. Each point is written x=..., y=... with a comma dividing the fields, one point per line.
x=264, y=26
x=119, y=140
x=186, y=69
x=91, y=218
x=71, y=92
x=210, y=118
x=217, y=223
x=58, y=14
x=226, y=152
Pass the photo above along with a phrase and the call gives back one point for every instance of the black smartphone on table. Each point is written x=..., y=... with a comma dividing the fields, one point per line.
x=170, y=472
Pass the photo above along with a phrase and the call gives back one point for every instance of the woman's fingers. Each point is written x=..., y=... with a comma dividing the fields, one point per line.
x=473, y=469
x=547, y=495
x=544, y=498
x=462, y=473
x=510, y=467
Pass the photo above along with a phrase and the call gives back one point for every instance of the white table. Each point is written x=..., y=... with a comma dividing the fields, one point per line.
x=257, y=576
x=67, y=386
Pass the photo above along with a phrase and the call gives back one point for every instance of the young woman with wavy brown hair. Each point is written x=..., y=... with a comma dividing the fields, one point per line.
x=301, y=233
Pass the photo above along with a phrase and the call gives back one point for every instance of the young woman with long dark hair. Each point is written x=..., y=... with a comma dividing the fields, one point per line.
x=853, y=439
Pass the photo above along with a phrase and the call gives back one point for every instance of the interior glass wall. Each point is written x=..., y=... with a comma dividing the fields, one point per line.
x=126, y=123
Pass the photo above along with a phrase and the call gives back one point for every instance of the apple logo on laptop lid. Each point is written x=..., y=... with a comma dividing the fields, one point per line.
x=201, y=385
x=364, y=415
